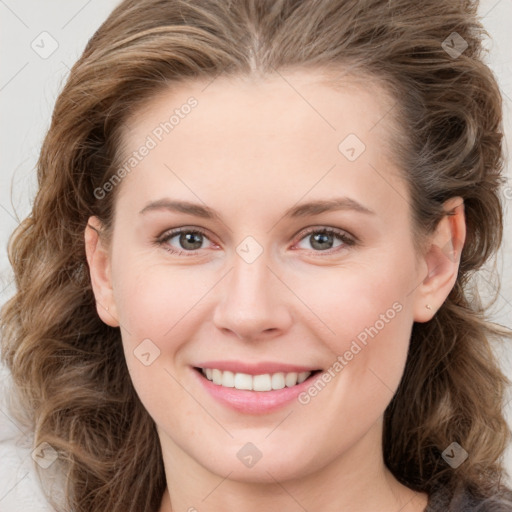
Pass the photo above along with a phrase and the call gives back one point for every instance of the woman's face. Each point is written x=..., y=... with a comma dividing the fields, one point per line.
x=253, y=173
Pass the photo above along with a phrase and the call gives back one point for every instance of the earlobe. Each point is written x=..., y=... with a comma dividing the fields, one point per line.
x=442, y=259
x=99, y=266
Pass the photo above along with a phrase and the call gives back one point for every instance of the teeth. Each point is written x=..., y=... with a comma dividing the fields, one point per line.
x=264, y=382
x=291, y=379
x=228, y=379
x=217, y=376
x=278, y=381
x=243, y=381
x=303, y=376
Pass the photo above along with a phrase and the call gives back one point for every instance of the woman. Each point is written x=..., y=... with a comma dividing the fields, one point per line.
x=335, y=168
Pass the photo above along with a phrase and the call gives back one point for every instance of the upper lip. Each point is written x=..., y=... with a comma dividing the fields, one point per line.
x=255, y=368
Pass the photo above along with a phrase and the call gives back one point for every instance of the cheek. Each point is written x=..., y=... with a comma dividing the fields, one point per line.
x=366, y=319
x=372, y=321
x=358, y=303
x=156, y=310
x=152, y=299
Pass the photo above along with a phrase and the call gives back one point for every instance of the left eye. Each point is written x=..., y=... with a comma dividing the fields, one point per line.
x=322, y=239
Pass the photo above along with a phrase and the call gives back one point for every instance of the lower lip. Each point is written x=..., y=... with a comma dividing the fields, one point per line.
x=254, y=402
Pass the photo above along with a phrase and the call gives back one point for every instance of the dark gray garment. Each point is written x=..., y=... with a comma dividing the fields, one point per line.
x=463, y=501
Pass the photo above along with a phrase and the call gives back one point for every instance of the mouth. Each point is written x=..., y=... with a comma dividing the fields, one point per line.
x=254, y=388
x=264, y=382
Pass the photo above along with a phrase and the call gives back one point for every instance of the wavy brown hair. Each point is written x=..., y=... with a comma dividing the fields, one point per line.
x=68, y=367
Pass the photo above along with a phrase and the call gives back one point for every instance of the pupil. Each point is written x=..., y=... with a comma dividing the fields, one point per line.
x=321, y=238
x=188, y=238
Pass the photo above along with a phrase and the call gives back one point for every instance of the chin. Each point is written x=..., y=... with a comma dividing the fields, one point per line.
x=271, y=467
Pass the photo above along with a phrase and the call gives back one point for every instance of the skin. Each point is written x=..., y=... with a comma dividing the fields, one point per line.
x=251, y=149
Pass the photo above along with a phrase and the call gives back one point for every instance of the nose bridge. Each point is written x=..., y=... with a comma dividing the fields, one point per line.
x=251, y=302
x=250, y=280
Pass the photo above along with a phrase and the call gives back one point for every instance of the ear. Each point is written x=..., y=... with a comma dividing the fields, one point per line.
x=442, y=259
x=98, y=259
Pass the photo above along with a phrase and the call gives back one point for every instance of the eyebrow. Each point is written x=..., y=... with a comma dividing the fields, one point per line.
x=301, y=210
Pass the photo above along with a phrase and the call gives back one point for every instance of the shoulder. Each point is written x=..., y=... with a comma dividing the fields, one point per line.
x=463, y=500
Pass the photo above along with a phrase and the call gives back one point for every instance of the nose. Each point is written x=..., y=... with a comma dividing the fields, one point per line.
x=254, y=302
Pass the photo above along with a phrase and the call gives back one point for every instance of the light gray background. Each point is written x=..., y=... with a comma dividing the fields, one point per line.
x=29, y=84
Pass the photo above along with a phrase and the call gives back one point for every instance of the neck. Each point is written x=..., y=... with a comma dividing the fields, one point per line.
x=357, y=481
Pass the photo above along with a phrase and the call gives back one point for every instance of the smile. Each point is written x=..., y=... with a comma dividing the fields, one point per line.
x=255, y=388
x=262, y=382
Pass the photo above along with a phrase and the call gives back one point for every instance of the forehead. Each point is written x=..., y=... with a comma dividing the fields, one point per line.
x=283, y=134
x=298, y=100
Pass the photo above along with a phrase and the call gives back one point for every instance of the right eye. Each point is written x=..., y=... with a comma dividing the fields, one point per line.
x=189, y=241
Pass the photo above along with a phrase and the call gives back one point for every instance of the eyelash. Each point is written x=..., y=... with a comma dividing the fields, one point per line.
x=162, y=240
